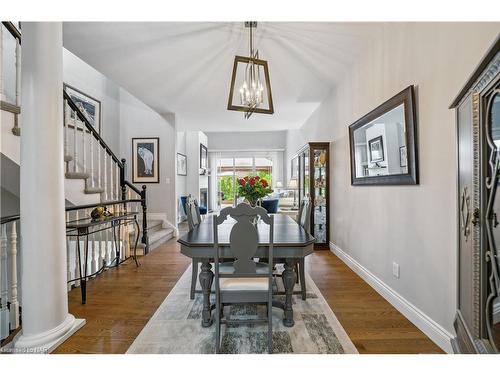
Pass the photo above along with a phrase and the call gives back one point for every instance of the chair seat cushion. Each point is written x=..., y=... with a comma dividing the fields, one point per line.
x=243, y=283
x=228, y=268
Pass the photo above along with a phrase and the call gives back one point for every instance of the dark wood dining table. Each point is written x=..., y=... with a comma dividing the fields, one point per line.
x=291, y=244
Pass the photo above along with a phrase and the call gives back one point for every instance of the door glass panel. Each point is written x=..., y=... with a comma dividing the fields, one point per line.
x=494, y=125
x=264, y=169
x=320, y=191
x=306, y=183
x=242, y=167
x=225, y=182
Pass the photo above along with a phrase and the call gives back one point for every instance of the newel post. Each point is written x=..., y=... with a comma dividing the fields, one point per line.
x=122, y=184
x=145, y=238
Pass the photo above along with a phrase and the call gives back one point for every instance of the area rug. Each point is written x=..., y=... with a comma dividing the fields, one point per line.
x=176, y=327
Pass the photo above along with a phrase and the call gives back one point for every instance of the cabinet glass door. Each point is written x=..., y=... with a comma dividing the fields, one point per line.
x=305, y=179
x=320, y=192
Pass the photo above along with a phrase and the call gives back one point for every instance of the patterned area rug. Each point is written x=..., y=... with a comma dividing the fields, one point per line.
x=176, y=327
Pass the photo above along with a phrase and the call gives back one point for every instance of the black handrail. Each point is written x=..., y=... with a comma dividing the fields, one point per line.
x=132, y=187
x=110, y=203
x=8, y=219
x=12, y=29
x=92, y=130
x=121, y=164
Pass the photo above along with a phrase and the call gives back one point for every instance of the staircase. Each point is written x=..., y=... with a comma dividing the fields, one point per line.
x=159, y=232
x=94, y=175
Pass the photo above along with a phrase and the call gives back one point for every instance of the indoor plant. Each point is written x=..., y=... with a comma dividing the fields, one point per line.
x=253, y=188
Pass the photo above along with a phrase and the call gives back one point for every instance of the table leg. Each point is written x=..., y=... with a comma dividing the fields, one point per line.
x=289, y=278
x=80, y=267
x=115, y=243
x=206, y=278
x=138, y=230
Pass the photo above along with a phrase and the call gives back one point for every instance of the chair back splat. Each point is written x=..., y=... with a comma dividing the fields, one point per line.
x=193, y=212
x=304, y=217
x=244, y=280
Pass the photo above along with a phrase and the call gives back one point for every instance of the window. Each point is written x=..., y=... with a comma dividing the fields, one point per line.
x=230, y=169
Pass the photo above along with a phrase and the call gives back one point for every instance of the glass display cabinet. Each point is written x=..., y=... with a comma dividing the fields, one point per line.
x=314, y=183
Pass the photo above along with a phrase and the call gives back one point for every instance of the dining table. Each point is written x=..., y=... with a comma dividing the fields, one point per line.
x=291, y=244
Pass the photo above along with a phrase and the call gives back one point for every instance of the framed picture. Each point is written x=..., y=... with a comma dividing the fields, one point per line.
x=181, y=164
x=376, y=147
x=90, y=107
x=403, y=160
x=145, y=160
x=203, y=156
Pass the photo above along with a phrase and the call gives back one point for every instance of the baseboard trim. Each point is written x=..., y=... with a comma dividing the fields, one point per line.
x=433, y=330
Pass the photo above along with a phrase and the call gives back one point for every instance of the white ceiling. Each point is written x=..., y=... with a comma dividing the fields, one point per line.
x=185, y=67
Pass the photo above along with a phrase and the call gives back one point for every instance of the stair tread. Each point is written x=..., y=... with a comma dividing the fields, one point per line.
x=94, y=190
x=152, y=224
x=157, y=236
x=77, y=175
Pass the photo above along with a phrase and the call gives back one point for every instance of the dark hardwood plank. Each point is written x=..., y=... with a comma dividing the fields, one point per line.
x=121, y=301
x=371, y=322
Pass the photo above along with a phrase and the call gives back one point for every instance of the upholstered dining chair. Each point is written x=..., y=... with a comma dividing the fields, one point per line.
x=194, y=219
x=304, y=220
x=243, y=281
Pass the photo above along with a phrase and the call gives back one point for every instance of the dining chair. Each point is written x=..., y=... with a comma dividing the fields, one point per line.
x=194, y=219
x=304, y=220
x=243, y=281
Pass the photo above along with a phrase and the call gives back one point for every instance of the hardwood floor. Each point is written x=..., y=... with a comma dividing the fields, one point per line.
x=121, y=301
x=371, y=322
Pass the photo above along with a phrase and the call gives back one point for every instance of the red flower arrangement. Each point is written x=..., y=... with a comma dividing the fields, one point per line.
x=253, y=188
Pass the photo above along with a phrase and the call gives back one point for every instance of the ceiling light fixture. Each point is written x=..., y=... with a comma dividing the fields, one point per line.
x=254, y=92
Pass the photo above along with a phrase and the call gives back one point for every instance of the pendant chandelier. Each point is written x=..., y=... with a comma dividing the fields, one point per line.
x=251, y=75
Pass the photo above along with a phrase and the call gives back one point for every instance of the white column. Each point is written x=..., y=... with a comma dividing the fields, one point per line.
x=45, y=319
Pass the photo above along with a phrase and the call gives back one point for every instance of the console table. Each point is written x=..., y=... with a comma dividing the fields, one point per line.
x=87, y=226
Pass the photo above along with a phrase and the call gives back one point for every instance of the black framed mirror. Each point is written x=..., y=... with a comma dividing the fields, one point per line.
x=383, y=143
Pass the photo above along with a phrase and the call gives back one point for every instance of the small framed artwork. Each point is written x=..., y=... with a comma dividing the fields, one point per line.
x=181, y=164
x=376, y=147
x=203, y=156
x=403, y=161
x=145, y=160
x=90, y=107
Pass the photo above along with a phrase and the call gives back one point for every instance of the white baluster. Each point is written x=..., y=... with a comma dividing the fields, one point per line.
x=75, y=148
x=109, y=244
x=18, y=73
x=1, y=54
x=99, y=164
x=105, y=178
x=14, y=303
x=118, y=192
x=4, y=291
x=111, y=194
x=84, y=152
x=77, y=264
x=92, y=161
x=65, y=125
x=68, y=256
x=102, y=255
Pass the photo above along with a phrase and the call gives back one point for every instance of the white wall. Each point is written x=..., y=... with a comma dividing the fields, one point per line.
x=124, y=117
x=247, y=140
x=137, y=120
x=80, y=75
x=181, y=181
x=414, y=226
x=194, y=180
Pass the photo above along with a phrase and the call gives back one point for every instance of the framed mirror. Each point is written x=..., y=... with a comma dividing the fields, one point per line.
x=383, y=143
